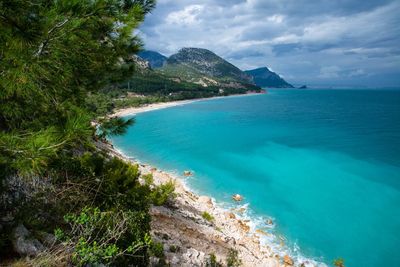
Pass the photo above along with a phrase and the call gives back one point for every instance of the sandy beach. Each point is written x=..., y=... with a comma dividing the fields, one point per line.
x=150, y=107
x=162, y=105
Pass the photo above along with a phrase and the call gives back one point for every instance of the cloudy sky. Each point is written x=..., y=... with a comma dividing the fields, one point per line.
x=320, y=42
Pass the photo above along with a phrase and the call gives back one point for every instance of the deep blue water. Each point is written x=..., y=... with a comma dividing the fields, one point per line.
x=324, y=163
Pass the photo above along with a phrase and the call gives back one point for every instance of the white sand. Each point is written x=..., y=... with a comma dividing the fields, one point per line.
x=162, y=105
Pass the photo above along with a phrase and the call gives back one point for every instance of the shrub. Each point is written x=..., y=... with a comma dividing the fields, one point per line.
x=207, y=216
x=162, y=193
x=148, y=179
x=107, y=237
x=233, y=258
x=157, y=249
x=212, y=261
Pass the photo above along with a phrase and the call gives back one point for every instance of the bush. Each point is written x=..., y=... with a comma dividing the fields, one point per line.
x=148, y=179
x=110, y=183
x=207, y=216
x=212, y=261
x=157, y=249
x=162, y=193
x=105, y=237
x=233, y=258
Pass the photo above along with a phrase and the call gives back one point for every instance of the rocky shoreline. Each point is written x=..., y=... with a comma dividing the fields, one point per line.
x=189, y=238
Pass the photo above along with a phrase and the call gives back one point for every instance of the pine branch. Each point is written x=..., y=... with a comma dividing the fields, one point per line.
x=43, y=45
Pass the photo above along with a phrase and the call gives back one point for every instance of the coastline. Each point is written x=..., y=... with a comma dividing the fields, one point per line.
x=181, y=224
x=161, y=105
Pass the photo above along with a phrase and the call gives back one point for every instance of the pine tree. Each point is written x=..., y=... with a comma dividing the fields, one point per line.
x=52, y=54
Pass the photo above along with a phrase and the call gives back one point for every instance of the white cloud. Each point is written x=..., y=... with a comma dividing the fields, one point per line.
x=187, y=16
x=276, y=18
x=299, y=39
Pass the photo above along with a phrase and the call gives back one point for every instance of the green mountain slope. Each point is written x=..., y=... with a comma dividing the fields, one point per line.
x=155, y=59
x=203, y=67
x=263, y=77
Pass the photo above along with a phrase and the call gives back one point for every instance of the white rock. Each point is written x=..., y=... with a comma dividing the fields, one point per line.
x=23, y=242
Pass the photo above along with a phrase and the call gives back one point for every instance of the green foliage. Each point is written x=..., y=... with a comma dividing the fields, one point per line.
x=233, y=258
x=148, y=179
x=207, y=216
x=105, y=237
x=157, y=249
x=162, y=193
x=213, y=262
x=99, y=104
x=114, y=126
x=59, y=234
x=338, y=262
x=56, y=58
x=30, y=152
x=110, y=182
x=52, y=54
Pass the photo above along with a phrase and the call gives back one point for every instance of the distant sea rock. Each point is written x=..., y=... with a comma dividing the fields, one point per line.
x=303, y=87
x=263, y=77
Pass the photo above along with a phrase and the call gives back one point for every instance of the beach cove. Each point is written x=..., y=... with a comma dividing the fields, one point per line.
x=283, y=162
x=185, y=227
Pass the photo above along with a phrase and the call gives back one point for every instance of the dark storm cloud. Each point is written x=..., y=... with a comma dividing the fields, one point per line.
x=314, y=42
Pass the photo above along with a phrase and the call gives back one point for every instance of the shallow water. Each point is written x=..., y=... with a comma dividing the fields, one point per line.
x=324, y=163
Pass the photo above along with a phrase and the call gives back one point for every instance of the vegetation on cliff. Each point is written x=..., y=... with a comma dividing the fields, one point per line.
x=64, y=200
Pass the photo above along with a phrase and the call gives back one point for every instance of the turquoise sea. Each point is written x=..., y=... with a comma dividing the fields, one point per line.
x=325, y=164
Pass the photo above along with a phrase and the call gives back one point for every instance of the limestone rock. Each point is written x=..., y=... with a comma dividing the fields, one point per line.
x=262, y=232
x=192, y=257
x=237, y=197
x=205, y=200
x=187, y=173
x=269, y=222
x=244, y=226
x=288, y=260
x=47, y=239
x=230, y=215
x=23, y=242
x=175, y=260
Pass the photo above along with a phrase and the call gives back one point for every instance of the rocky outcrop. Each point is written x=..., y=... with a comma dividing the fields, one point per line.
x=140, y=64
x=188, y=239
x=237, y=197
x=24, y=243
x=288, y=260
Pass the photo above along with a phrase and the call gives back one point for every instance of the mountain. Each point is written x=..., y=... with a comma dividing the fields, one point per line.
x=263, y=77
x=155, y=59
x=204, y=67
